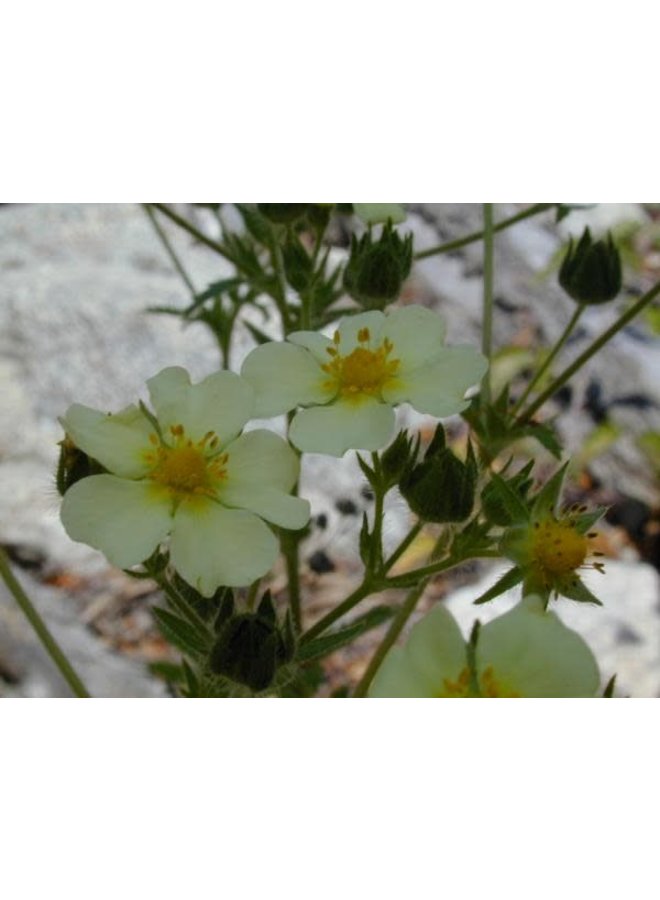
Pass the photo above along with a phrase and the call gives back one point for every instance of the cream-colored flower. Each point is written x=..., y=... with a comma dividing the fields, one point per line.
x=351, y=383
x=527, y=652
x=185, y=473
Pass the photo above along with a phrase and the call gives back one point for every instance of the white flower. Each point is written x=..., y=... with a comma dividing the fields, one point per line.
x=186, y=474
x=351, y=383
x=527, y=652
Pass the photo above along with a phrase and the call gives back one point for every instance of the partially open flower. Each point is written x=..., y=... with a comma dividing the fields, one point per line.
x=185, y=473
x=527, y=652
x=352, y=382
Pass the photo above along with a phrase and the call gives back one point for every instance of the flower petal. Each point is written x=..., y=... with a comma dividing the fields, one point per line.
x=398, y=678
x=117, y=441
x=439, y=388
x=373, y=213
x=342, y=426
x=436, y=646
x=125, y=520
x=213, y=546
x=349, y=327
x=223, y=402
x=269, y=503
x=316, y=343
x=416, y=333
x=284, y=376
x=531, y=652
x=261, y=470
x=261, y=457
x=435, y=653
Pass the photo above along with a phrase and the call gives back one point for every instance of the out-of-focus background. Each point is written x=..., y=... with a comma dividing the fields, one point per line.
x=75, y=284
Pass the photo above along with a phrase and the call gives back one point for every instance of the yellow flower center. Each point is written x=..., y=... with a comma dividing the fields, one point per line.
x=558, y=548
x=363, y=372
x=185, y=467
x=489, y=686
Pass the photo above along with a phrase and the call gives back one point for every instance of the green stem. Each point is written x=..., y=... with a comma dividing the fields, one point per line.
x=403, y=581
x=290, y=551
x=592, y=349
x=364, y=589
x=169, y=249
x=48, y=641
x=180, y=604
x=376, y=547
x=194, y=232
x=478, y=235
x=403, y=546
x=393, y=632
x=487, y=333
x=550, y=358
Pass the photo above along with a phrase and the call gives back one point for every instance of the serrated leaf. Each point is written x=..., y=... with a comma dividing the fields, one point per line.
x=509, y=580
x=322, y=646
x=180, y=633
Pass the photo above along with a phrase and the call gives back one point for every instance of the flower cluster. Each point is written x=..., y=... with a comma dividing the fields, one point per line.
x=183, y=472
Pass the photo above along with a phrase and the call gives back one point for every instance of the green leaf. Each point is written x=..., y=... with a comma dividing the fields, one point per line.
x=547, y=498
x=503, y=503
x=509, y=580
x=584, y=521
x=172, y=673
x=260, y=336
x=322, y=646
x=179, y=632
x=368, y=472
x=576, y=589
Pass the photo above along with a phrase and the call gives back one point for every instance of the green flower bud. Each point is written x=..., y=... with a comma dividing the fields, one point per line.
x=251, y=647
x=441, y=488
x=399, y=458
x=591, y=271
x=376, y=270
x=282, y=213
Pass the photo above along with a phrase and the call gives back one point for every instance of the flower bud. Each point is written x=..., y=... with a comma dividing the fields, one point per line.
x=591, y=270
x=251, y=647
x=441, y=488
x=377, y=269
x=398, y=458
x=282, y=213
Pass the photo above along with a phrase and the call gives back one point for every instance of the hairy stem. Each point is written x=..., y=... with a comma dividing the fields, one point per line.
x=591, y=350
x=478, y=235
x=549, y=359
x=169, y=249
x=393, y=632
x=487, y=333
x=195, y=232
x=49, y=643
x=362, y=591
